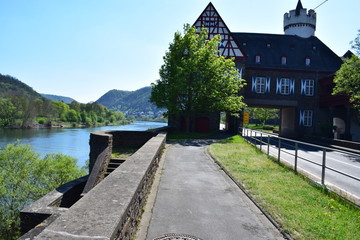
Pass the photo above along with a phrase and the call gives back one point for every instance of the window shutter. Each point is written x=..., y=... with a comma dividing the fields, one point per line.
x=301, y=123
x=312, y=90
x=278, y=86
x=303, y=86
x=267, y=86
x=240, y=72
x=253, y=87
x=292, y=86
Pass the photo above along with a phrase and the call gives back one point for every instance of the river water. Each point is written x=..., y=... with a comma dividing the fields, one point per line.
x=70, y=141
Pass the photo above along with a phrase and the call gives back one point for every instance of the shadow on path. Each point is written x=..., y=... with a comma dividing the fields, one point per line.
x=195, y=197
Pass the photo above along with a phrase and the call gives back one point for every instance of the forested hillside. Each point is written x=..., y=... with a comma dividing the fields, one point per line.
x=63, y=99
x=11, y=87
x=134, y=103
x=22, y=107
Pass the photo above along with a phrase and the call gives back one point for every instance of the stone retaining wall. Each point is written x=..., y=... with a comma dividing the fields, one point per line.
x=101, y=145
x=100, y=141
x=52, y=204
x=112, y=208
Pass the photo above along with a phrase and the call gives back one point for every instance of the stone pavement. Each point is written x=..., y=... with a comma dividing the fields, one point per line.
x=195, y=197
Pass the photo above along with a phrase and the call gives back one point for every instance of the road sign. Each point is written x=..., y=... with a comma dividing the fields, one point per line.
x=246, y=118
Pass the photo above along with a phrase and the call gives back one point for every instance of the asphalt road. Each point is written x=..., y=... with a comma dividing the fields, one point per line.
x=310, y=160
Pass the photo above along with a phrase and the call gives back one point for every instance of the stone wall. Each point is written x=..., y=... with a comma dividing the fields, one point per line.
x=52, y=204
x=111, y=209
x=99, y=142
x=101, y=145
x=130, y=138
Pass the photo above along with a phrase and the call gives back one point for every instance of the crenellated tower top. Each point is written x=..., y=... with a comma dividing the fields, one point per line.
x=300, y=22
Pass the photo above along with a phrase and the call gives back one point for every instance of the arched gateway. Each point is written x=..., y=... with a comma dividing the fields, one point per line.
x=281, y=71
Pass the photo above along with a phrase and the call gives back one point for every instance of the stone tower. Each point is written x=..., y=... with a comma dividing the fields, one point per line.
x=300, y=22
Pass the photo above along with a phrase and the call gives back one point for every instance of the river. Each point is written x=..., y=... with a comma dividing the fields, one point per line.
x=70, y=141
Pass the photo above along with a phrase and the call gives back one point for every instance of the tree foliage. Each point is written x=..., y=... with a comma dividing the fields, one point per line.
x=25, y=177
x=263, y=114
x=195, y=78
x=347, y=79
x=356, y=43
x=10, y=86
x=20, y=106
x=22, y=112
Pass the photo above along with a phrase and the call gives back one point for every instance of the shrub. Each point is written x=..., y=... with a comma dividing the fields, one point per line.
x=24, y=178
x=268, y=127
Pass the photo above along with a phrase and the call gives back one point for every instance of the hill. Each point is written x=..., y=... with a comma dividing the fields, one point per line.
x=63, y=99
x=11, y=87
x=134, y=103
x=22, y=107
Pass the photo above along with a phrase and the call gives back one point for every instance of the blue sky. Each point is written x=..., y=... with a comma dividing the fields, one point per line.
x=84, y=48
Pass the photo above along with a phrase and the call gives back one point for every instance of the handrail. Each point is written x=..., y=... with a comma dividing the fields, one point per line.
x=257, y=138
x=309, y=144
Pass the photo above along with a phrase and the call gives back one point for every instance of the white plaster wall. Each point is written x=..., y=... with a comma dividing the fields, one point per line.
x=303, y=32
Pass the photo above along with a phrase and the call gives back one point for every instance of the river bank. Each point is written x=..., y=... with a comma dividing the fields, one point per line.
x=70, y=141
x=60, y=124
x=76, y=125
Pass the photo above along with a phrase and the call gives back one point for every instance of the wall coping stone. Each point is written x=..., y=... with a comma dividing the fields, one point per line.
x=104, y=210
x=47, y=206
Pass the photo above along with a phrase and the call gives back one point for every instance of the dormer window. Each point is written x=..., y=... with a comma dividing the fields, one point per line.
x=283, y=60
x=257, y=59
x=307, y=61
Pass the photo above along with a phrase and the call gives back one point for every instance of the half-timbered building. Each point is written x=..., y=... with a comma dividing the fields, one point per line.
x=283, y=71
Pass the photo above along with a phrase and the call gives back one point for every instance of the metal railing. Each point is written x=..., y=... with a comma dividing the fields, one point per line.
x=283, y=146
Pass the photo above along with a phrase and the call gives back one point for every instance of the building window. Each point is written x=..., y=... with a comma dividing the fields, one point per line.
x=283, y=86
x=257, y=59
x=283, y=60
x=306, y=118
x=307, y=61
x=307, y=87
x=260, y=85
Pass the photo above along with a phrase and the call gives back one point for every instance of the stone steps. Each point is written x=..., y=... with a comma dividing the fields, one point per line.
x=113, y=164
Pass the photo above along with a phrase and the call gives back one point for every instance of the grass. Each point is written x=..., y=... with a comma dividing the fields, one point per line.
x=123, y=152
x=303, y=209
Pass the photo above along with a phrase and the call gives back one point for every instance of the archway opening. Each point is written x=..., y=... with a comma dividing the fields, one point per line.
x=267, y=119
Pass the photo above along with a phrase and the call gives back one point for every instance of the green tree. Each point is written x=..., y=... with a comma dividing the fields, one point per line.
x=75, y=106
x=61, y=110
x=194, y=77
x=265, y=114
x=72, y=116
x=347, y=79
x=7, y=112
x=47, y=109
x=30, y=112
x=356, y=43
x=25, y=177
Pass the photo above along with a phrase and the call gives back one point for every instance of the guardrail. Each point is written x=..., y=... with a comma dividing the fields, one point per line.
x=278, y=146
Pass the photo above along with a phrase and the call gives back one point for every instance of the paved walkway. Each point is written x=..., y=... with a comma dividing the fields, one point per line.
x=196, y=198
